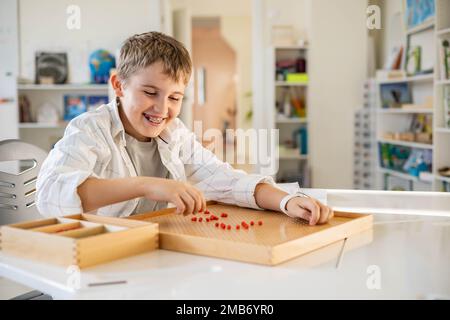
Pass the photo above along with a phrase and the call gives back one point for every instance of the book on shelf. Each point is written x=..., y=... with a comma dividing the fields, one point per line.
x=394, y=95
x=74, y=105
x=93, y=102
x=395, y=59
x=413, y=60
x=444, y=57
x=444, y=54
x=25, y=113
x=447, y=106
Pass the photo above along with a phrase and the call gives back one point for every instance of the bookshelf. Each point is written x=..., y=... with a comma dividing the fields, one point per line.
x=441, y=93
x=288, y=91
x=434, y=85
x=46, y=134
x=64, y=87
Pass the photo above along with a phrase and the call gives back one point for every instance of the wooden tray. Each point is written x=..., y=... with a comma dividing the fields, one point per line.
x=83, y=240
x=278, y=239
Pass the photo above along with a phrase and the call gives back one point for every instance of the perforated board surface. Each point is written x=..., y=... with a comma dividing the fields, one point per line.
x=278, y=239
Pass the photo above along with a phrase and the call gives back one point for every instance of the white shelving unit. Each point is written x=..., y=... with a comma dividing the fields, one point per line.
x=418, y=78
x=421, y=86
x=289, y=84
x=290, y=120
x=292, y=164
x=64, y=87
x=364, y=150
x=405, y=111
x=38, y=125
x=441, y=128
x=407, y=144
x=44, y=135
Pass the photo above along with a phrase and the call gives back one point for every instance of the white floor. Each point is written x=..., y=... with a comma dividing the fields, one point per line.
x=9, y=289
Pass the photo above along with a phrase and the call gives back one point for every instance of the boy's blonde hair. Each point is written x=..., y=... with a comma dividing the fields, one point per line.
x=142, y=50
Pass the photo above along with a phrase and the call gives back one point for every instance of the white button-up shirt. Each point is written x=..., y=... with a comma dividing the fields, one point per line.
x=94, y=146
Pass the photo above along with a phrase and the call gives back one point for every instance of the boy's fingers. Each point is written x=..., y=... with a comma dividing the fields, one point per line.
x=204, y=203
x=189, y=202
x=304, y=214
x=201, y=200
x=313, y=208
x=324, y=213
x=197, y=198
x=179, y=204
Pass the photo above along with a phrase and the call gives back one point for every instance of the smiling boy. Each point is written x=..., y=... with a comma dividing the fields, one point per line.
x=134, y=155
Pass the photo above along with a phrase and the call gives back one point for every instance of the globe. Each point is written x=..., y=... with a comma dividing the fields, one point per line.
x=100, y=63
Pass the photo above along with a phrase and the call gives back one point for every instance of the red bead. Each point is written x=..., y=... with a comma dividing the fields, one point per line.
x=223, y=226
x=194, y=219
x=224, y=215
x=207, y=212
x=200, y=219
x=238, y=227
x=217, y=224
x=207, y=220
x=200, y=210
x=260, y=223
x=229, y=227
x=252, y=223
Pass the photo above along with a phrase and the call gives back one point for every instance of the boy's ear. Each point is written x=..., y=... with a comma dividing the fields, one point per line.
x=117, y=85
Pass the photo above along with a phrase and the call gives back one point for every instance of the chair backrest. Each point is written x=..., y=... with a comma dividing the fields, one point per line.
x=18, y=184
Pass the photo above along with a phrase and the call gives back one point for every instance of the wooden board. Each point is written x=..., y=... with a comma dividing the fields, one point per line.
x=279, y=239
x=83, y=240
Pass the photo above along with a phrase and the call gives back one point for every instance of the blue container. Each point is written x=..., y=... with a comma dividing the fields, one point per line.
x=300, y=136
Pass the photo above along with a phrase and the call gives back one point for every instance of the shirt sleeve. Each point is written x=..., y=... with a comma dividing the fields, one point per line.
x=69, y=164
x=218, y=180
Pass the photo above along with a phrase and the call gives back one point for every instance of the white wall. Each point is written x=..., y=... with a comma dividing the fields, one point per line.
x=337, y=71
x=237, y=31
x=8, y=70
x=289, y=12
x=214, y=7
x=104, y=24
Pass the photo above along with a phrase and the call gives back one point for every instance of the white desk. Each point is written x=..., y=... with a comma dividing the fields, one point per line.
x=411, y=252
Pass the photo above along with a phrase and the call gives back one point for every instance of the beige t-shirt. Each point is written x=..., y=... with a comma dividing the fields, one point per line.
x=147, y=162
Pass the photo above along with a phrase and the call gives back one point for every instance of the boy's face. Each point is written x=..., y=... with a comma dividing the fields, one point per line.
x=150, y=100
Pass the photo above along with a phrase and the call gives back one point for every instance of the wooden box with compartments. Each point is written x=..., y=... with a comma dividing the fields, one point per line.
x=83, y=240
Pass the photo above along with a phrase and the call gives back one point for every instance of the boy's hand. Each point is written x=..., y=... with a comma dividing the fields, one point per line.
x=309, y=209
x=184, y=196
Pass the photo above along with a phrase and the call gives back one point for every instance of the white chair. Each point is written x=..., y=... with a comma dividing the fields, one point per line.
x=18, y=184
x=18, y=189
